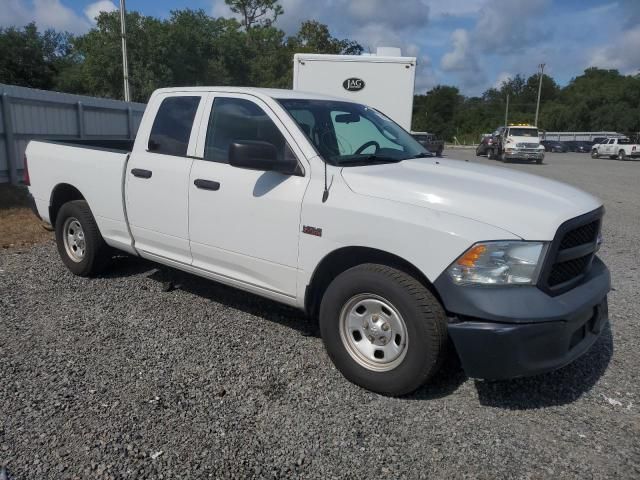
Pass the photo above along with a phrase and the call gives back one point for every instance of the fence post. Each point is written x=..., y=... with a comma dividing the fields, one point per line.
x=130, y=121
x=80, y=119
x=8, y=138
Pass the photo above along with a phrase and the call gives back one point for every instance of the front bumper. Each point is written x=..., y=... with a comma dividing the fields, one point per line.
x=510, y=332
x=524, y=154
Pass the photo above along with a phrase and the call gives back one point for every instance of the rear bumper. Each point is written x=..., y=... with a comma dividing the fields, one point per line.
x=502, y=333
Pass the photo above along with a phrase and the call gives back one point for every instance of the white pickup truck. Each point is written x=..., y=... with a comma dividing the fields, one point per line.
x=620, y=148
x=329, y=206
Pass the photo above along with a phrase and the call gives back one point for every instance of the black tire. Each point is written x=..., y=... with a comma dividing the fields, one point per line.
x=621, y=155
x=491, y=154
x=96, y=253
x=439, y=152
x=423, y=316
x=539, y=161
x=594, y=153
x=503, y=158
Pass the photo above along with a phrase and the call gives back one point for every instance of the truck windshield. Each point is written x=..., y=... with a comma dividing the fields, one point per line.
x=349, y=134
x=523, y=132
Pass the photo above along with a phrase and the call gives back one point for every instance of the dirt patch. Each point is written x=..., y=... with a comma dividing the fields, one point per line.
x=19, y=227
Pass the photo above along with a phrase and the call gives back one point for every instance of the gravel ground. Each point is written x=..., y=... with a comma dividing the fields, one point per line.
x=117, y=377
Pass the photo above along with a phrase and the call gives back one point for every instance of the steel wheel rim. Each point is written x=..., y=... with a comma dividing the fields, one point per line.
x=74, y=240
x=373, y=332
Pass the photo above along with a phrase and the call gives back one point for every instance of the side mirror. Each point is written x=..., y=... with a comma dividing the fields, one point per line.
x=152, y=146
x=257, y=155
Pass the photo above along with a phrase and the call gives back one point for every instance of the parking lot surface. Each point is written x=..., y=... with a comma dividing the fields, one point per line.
x=151, y=373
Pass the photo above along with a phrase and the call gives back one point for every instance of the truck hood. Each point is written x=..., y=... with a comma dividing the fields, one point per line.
x=528, y=206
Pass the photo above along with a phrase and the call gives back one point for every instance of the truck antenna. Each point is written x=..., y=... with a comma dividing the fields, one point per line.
x=325, y=194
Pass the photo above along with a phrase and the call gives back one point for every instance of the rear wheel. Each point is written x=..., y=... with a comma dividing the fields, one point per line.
x=80, y=244
x=622, y=155
x=439, y=152
x=383, y=329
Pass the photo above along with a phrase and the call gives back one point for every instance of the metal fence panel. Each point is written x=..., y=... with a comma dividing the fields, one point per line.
x=27, y=113
x=587, y=136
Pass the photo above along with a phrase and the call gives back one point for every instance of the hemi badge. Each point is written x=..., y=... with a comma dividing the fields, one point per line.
x=312, y=230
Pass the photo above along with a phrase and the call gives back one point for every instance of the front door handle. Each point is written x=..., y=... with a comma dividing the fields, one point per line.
x=141, y=173
x=206, y=184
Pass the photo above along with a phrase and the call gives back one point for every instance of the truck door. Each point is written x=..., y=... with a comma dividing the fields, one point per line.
x=244, y=224
x=611, y=146
x=157, y=177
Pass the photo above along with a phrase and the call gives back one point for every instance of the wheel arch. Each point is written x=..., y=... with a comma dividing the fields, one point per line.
x=61, y=194
x=342, y=259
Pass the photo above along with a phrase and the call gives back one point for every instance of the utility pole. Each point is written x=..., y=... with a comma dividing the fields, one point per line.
x=539, y=91
x=125, y=66
x=506, y=112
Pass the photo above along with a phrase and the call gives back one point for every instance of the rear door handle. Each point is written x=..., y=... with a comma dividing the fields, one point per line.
x=206, y=184
x=141, y=173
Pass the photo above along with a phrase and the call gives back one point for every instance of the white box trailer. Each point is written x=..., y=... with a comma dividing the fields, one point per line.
x=383, y=82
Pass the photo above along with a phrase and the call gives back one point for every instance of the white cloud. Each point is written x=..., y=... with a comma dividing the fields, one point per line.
x=454, y=8
x=413, y=13
x=502, y=78
x=15, y=13
x=92, y=10
x=462, y=60
x=46, y=14
x=623, y=54
x=510, y=26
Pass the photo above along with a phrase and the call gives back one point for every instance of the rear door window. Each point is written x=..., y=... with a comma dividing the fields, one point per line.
x=172, y=126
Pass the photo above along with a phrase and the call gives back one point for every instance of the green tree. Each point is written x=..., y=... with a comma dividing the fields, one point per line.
x=436, y=111
x=315, y=37
x=256, y=12
x=30, y=58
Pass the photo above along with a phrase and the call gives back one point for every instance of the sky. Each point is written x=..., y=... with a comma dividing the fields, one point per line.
x=471, y=44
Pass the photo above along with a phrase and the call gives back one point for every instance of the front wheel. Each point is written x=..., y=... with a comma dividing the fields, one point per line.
x=504, y=158
x=80, y=244
x=383, y=329
x=594, y=153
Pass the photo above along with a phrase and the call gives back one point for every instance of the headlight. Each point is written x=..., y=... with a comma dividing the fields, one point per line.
x=499, y=263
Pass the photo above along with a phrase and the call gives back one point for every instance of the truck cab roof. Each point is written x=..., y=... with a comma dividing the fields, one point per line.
x=272, y=93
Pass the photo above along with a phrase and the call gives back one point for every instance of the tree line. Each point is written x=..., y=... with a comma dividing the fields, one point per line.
x=187, y=48
x=597, y=100
x=192, y=48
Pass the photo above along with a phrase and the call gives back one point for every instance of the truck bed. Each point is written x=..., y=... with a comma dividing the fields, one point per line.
x=96, y=168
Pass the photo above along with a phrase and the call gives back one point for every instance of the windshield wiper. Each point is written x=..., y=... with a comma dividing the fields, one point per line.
x=369, y=160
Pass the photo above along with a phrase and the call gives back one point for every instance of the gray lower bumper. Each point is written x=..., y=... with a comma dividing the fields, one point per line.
x=519, y=331
x=525, y=155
